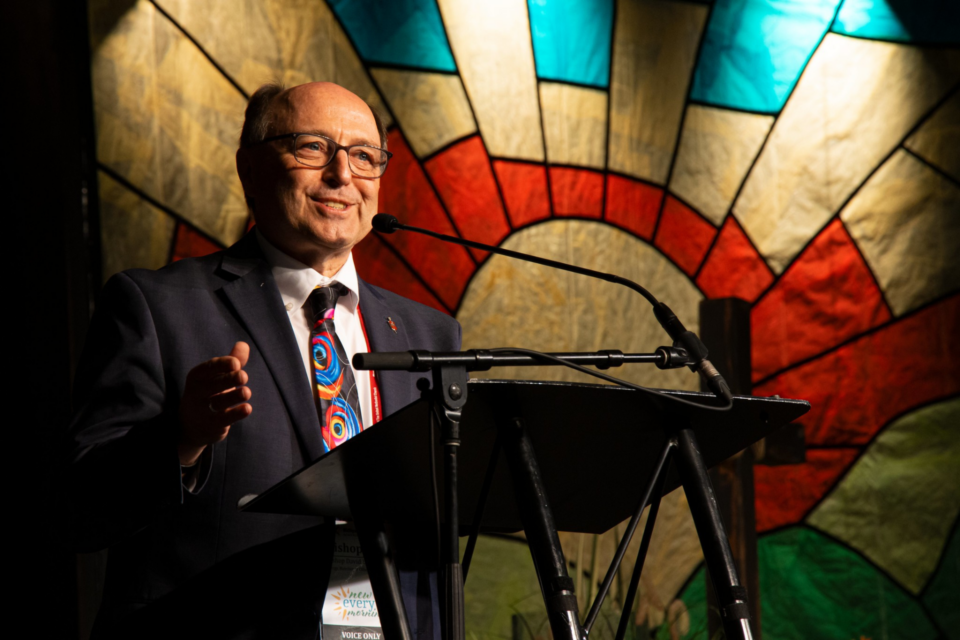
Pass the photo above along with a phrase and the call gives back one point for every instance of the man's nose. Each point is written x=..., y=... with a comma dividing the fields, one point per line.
x=338, y=171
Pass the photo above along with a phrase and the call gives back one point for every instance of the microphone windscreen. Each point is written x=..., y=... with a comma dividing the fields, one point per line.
x=385, y=223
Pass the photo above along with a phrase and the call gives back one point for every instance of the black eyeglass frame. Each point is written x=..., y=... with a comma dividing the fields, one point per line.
x=336, y=149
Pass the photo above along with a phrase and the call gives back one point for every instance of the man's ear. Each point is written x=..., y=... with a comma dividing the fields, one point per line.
x=245, y=170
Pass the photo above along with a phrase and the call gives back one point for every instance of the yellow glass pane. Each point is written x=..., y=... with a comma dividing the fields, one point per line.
x=491, y=43
x=673, y=555
x=576, y=313
x=431, y=108
x=905, y=221
x=167, y=120
x=717, y=147
x=654, y=49
x=938, y=139
x=854, y=103
x=288, y=41
x=574, y=124
x=134, y=234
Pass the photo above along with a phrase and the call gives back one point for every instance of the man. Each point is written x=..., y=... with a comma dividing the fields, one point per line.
x=199, y=382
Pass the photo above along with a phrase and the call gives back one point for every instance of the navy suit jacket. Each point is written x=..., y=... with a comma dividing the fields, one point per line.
x=123, y=483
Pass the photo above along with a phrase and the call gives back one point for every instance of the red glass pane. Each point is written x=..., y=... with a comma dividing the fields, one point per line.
x=577, y=192
x=683, y=235
x=734, y=268
x=633, y=205
x=190, y=244
x=861, y=386
x=785, y=494
x=524, y=188
x=823, y=298
x=463, y=177
x=379, y=266
x=406, y=193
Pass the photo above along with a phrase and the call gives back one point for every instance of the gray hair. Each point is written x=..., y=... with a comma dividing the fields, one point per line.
x=259, y=116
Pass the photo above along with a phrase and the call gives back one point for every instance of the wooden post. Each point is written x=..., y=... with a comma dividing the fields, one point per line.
x=725, y=330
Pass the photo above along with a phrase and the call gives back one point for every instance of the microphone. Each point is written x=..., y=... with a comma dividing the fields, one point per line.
x=385, y=223
x=682, y=338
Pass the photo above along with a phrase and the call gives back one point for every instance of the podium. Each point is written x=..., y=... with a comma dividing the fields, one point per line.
x=538, y=457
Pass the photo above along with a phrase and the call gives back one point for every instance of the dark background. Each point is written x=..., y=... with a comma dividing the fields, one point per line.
x=50, y=192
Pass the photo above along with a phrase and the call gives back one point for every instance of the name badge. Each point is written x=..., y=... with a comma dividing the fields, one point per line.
x=349, y=610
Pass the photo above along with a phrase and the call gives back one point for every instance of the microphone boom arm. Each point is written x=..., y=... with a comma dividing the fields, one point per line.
x=682, y=338
x=395, y=225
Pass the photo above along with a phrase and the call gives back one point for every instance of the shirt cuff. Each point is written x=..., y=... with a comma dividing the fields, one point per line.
x=193, y=477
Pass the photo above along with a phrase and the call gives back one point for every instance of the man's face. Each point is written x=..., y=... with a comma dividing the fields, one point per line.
x=312, y=213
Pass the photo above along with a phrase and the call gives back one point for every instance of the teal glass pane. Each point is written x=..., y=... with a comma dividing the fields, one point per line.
x=925, y=21
x=407, y=33
x=571, y=40
x=755, y=50
x=813, y=587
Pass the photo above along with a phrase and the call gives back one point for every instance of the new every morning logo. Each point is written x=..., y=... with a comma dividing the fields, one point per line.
x=354, y=605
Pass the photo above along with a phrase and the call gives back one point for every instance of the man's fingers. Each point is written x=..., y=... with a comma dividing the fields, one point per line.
x=215, y=397
x=241, y=351
x=213, y=367
x=233, y=414
x=230, y=398
x=206, y=387
x=216, y=421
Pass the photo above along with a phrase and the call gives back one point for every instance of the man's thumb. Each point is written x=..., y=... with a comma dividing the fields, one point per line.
x=241, y=351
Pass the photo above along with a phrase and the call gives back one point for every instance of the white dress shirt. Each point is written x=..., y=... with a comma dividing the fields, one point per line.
x=295, y=281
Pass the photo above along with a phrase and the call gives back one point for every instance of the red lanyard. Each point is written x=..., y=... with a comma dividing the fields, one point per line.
x=376, y=406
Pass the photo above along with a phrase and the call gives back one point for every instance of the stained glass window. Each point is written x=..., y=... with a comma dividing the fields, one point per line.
x=800, y=155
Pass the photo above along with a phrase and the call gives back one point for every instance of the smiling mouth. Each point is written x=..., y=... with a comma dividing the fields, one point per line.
x=331, y=204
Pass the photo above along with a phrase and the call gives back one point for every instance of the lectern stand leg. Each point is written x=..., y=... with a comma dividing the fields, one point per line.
x=383, y=574
x=556, y=585
x=731, y=595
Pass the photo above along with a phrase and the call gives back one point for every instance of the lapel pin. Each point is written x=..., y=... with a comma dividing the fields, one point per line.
x=391, y=324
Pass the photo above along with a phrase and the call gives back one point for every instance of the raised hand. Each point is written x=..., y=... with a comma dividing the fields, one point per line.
x=215, y=396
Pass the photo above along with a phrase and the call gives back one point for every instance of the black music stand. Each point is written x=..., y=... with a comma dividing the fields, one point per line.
x=569, y=443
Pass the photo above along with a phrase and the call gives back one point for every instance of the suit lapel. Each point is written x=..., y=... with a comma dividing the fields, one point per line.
x=256, y=300
x=395, y=387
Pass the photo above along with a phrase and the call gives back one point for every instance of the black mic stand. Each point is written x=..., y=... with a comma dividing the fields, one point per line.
x=449, y=394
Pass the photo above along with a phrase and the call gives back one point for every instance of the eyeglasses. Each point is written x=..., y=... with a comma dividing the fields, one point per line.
x=318, y=151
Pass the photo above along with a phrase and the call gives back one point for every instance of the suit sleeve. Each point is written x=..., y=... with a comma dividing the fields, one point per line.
x=121, y=469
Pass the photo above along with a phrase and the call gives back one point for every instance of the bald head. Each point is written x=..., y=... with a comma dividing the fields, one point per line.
x=272, y=103
x=315, y=214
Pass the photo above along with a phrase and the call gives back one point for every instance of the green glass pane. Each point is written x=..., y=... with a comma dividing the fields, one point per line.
x=694, y=597
x=502, y=585
x=943, y=594
x=897, y=503
x=813, y=587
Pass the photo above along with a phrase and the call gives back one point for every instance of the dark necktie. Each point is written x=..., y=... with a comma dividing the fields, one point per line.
x=334, y=386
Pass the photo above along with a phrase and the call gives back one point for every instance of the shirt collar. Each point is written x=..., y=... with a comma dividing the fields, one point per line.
x=296, y=280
